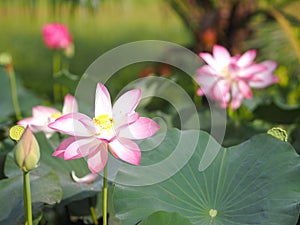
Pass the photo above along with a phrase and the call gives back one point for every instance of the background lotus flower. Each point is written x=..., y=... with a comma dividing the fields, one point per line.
x=43, y=115
x=56, y=36
x=228, y=80
x=112, y=127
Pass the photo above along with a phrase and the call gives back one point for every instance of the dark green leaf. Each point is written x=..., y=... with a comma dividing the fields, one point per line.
x=45, y=188
x=275, y=113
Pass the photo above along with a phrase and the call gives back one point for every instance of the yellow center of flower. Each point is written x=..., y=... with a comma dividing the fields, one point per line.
x=226, y=73
x=56, y=115
x=104, y=122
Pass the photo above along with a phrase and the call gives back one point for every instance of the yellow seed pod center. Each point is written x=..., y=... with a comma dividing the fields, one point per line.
x=16, y=132
x=104, y=122
x=56, y=115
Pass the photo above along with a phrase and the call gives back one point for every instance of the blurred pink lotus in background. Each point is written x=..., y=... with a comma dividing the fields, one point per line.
x=56, y=36
x=229, y=79
x=43, y=115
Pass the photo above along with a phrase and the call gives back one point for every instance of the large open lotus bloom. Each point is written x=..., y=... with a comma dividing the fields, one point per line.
x=56, y=36
x=228, y=80
x=43, y=115
x=112, y=128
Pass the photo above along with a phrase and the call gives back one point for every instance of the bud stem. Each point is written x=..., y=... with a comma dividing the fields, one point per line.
x=93, y=214
x=27, y=199
x=14, y=95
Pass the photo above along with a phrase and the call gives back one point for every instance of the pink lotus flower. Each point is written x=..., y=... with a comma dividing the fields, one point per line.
x=43, y=115
x=56, y=36
x=228, y=80
x=112, y=128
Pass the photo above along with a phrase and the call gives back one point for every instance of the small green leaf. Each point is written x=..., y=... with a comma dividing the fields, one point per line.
x=278, y=133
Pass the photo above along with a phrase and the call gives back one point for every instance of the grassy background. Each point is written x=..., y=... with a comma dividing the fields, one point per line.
x=114, y=23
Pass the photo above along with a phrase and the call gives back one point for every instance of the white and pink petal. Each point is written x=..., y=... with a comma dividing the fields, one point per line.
x=244, y=89
x=87, y=179
x=265, y=78
x=236, y=97
x=206, y=83
x=246, y=59
x=75, y=124
x=123, y=109
x=221, y=90
x=44, y=112
x=102, y=101
x=81, y=148
x=126, y=150
x=97, y=158
x=249, y=71
x=221, y=55
x=142, y=128
x=207, y=70
x=70, y=105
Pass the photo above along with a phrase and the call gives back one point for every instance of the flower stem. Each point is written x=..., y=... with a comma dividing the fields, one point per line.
x=27, y=198
x=56, y=68
x=104, y=196
x=93, y=212
x=14, y=95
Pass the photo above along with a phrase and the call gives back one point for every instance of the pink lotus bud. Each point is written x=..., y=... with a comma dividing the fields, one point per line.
x=27, y=151
x=56, y=36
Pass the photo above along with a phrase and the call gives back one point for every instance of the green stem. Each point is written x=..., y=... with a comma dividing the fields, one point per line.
x=27, y=198
x=56, y=68
x=14, y=95
x=93, y=212
x=56, y=63
x=104, y=196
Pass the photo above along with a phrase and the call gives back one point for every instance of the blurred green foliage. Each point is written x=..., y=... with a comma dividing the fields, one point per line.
x=114, y=23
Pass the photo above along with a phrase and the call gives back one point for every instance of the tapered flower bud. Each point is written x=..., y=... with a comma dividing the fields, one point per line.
x=27, y=151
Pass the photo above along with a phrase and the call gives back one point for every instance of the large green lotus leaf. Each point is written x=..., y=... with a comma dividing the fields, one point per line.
x=45, y=188
x=71, y=190
x=256, y=182
x=165, y=218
